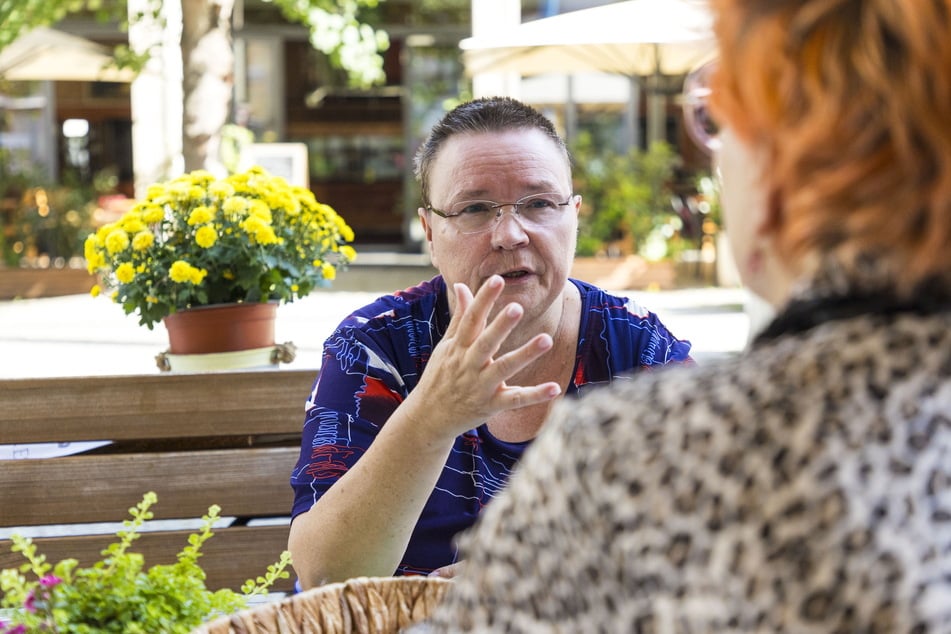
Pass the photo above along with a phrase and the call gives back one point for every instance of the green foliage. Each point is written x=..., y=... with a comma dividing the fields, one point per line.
x=118, y=594
x=45, y=220
x=627, y=196
x=454, y=12
x=20, y=16
x=336, y=30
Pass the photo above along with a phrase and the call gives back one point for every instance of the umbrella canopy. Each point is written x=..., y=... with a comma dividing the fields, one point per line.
x=48, y=54
x=635, y=38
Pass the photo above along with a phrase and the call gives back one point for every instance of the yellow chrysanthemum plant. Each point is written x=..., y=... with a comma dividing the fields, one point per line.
x=198, y=241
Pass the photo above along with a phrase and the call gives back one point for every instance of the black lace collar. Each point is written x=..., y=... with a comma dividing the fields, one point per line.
x=834, y=294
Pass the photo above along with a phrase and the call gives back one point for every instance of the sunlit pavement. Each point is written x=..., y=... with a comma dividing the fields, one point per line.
x=78, y=335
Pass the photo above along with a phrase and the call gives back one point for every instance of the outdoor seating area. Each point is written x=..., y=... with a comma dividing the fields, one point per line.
x=95, y=420
x=195, y=440
x=426, y=317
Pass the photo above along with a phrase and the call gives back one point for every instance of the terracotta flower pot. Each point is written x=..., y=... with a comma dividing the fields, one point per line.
x=221, y=328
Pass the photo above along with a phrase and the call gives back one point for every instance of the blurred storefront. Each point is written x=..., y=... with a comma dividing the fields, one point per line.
x=359, y=143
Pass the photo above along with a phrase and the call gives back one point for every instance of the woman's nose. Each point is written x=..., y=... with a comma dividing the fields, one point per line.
x=508, y=231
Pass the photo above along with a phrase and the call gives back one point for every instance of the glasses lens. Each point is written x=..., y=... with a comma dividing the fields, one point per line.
x=701, y=126
x=472, y=216
x=541, y=209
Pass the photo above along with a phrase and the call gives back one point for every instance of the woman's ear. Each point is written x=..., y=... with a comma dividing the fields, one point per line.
x=428, y=232
x=753, y=214
x=774, y=274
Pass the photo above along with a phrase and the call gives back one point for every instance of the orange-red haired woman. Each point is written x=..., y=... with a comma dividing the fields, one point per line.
x=805, y=487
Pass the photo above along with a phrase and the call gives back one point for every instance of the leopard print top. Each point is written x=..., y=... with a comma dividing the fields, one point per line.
x=805, y=487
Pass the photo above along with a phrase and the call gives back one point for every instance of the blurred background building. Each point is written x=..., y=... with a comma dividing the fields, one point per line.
x=359, y=143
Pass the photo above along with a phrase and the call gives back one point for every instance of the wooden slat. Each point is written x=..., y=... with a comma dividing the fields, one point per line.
x=248, y=482
x=27, y=283
x=153, y=406
x=231, y=557
x=229, y=439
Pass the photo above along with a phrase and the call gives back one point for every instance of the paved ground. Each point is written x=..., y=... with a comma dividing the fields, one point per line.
x=79, y=335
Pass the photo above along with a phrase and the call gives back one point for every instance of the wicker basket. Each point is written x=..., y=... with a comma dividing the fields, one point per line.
x=364, y=605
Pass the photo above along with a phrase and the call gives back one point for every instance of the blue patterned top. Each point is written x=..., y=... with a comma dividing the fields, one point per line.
x=375, y=358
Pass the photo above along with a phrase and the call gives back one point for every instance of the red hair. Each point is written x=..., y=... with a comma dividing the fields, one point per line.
x=852, y=101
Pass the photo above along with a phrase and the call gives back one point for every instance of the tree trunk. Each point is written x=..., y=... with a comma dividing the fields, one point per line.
x=208, y=63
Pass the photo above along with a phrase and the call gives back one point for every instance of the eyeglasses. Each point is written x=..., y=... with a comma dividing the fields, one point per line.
x=701, y=127
x=533, y=211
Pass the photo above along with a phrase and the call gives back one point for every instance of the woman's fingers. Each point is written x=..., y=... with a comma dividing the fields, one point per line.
x=510, y=363
x=488, y=342
x=463, y=302
x=470, y=376
x=448, y=572
x=471, y=318
x=516, y=396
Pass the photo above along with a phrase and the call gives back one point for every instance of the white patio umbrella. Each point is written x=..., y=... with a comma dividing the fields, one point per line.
x=49, y=54
x=639, y=39
x=634, y=38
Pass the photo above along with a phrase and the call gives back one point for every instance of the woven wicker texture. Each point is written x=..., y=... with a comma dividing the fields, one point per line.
x=364, y=605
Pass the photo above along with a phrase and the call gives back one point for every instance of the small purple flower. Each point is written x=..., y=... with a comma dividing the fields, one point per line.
x=50, y=580
x=28, y=604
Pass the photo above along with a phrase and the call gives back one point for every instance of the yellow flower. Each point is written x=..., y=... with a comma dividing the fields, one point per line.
x=95, y=260
x=206, y=236
x=142, y=240
x=179, y=190
x=183, y=272
x=153, y=214
x=200, y=215
x=125, y=273
x=220, y=190
x=346, y=232
x=252, y=222
x=117, y=241
x=132, y=224
x=200, y=177
x=95, y=290
x=235, y=206
x=260, y=230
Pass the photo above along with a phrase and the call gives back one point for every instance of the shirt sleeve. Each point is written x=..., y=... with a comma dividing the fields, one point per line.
x=357, y=389
x=619, y=337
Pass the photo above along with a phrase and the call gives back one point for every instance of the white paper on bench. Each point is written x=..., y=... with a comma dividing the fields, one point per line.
x=48, y=449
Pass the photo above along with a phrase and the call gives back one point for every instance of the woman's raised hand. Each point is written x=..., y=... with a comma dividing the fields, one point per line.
x=465, y=380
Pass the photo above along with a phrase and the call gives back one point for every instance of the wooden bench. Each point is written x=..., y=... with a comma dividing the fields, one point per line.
x=229, y=439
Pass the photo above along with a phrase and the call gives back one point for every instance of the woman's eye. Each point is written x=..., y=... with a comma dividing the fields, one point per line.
x=538, y=203
x=477, y=207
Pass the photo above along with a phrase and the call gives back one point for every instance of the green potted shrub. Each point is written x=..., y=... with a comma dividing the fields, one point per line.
x=118, y=593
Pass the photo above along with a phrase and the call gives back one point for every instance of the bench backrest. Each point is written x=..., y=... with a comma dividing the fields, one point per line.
x=229, y=439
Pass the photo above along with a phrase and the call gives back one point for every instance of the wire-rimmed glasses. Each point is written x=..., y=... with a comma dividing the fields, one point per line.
x=701, y=126
x=534, y=211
